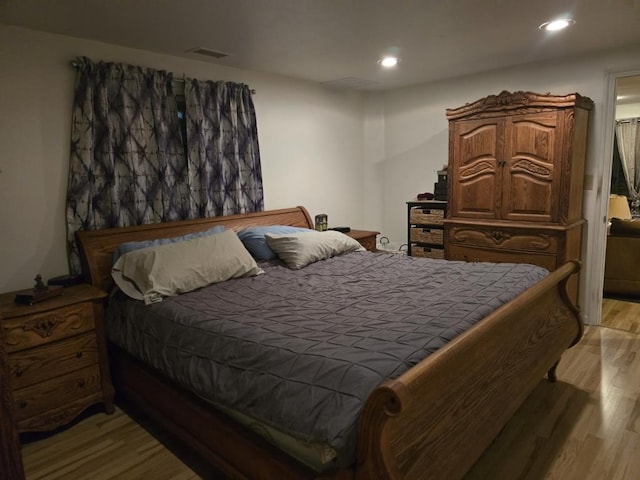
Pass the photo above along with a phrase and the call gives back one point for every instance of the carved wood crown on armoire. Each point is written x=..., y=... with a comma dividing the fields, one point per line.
x=516, y=174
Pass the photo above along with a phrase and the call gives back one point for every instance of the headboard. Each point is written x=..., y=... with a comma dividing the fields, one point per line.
x=97, y=246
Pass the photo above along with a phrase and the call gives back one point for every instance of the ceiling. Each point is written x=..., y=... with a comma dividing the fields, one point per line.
x=338, y=41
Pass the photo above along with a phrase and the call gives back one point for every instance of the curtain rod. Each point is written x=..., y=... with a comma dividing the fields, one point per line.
x=75, y=64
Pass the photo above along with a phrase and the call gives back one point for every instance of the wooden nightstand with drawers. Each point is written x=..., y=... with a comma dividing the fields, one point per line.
x=367, y=238
x=57, y=357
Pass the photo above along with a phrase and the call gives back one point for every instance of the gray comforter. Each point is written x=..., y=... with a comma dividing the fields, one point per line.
x=301, y=350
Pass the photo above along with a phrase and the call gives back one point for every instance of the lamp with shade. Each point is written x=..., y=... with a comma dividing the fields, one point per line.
x=618, y=207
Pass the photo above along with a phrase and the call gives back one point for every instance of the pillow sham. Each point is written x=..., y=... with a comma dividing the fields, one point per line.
x=253, y=239
x=152, y=273
x=298, y=250
x=131, y=246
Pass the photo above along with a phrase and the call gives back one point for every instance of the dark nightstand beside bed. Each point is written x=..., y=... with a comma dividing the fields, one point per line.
x=56, y=356
x=367, y=238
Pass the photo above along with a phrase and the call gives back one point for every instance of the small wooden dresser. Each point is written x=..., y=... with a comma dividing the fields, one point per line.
x=57, y=357
x=425, y=220
x=367, y=238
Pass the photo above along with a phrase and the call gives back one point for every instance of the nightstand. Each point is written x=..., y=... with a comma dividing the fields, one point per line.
x=367, y=238
x=57, y=357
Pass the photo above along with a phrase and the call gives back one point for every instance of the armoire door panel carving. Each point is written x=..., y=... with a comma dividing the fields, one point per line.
x=476, y=149
x=531, y=179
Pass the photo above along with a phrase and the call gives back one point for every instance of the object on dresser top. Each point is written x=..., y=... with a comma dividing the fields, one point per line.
x=321, y=222
x=440, y=187
x=425, y=196
x=65, y=280
x=39, y=292
x=341, y=229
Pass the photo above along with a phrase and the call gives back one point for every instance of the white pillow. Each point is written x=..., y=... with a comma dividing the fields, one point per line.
x=298, y=250
x=150, y=273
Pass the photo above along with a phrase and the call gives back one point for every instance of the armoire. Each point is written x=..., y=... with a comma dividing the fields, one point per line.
x=516, y=177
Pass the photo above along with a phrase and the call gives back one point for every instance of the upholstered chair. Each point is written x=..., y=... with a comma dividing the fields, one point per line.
x=622, y=261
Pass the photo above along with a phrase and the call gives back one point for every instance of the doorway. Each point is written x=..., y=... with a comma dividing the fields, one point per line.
x=622, y=311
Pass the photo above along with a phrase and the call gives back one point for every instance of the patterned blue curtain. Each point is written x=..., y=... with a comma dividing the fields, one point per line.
x=127, y=164
x=222, y=143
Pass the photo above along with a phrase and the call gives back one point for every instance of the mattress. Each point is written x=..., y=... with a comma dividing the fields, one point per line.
x=300, y=351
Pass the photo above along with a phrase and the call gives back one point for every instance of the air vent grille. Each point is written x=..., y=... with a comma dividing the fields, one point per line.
x=351, y=82
x=208, y=52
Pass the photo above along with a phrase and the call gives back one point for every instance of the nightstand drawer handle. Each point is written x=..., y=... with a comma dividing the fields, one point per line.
x=81, y=383
x=19, y=372
x=22, y=404
x=78, y=354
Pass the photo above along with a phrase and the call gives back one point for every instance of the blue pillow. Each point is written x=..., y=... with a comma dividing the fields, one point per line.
x=254, y=241
x=131, y=246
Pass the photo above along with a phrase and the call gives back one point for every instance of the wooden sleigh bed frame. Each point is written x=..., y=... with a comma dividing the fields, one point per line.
x=433, y=421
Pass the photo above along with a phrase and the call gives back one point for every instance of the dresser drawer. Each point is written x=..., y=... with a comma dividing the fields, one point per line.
x=60, y=416
x=57, y=392
x=503, y=238
x=426, y=235
x=52, y=360
x=426, y=252
x=426, y=216
x=471, y=254
x=33, y=330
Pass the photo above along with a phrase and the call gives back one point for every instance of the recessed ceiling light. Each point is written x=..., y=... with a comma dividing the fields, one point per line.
x=555, y=25
x=389, y=62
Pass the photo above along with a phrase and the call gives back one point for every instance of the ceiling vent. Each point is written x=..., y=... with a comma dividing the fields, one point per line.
x=354, y=83
x=208, y=52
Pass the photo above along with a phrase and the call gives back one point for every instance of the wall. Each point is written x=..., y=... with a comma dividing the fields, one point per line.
x=311, y=143
x=416, y=141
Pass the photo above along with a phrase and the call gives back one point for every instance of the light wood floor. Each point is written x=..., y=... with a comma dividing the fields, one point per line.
x=621, y=315
x=584, y=427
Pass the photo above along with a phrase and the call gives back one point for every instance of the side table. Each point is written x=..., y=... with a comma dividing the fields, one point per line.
x=56, y=356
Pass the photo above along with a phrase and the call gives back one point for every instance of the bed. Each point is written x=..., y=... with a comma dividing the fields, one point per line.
x=433, y=420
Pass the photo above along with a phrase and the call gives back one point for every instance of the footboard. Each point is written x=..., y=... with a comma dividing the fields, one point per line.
x=435, y=420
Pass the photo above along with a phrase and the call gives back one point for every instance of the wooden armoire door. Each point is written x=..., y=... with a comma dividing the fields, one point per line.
x=530, y=163
x=475, y=154
x=506, y=168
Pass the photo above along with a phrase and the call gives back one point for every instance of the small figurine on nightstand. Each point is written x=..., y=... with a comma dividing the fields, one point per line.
x=39, y=286
x=39, y=292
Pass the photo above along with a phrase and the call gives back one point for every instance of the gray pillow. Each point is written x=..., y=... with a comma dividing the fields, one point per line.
x=164, y=270
x=298, y=250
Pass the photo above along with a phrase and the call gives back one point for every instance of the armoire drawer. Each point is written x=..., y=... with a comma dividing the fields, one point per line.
x=473, y=254
x=503, y=238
